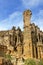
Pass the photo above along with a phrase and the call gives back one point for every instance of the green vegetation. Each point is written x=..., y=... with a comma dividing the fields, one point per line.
x=40, y=62
x=7, y=59
x=7, y=56
x=30, y=62
x=33, y=62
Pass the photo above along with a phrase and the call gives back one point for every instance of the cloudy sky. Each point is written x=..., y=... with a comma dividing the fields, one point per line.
x=11, y=13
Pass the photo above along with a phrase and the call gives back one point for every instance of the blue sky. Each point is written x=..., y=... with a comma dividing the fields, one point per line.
x=11, y=13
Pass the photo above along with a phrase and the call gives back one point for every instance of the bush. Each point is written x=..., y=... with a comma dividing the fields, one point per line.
x=30, y=62
x=40, y=62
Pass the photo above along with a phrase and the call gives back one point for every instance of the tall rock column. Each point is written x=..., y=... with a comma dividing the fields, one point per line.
x=27, y=35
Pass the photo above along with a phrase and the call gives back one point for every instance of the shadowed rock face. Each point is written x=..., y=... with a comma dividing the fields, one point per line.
x=8, y=62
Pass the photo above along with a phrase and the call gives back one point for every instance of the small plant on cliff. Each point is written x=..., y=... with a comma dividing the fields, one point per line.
x=7, y=56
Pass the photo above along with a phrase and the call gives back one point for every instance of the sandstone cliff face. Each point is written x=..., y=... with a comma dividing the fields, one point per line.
x=27, y=43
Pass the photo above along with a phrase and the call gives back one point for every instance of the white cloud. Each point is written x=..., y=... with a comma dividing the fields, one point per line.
x=15, y=19
x=38, y=19
x=32, y=3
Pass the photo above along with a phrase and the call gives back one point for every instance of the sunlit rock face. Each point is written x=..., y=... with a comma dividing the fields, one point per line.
x=22, y=44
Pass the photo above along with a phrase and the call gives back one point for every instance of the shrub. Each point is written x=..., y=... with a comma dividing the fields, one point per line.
x=30, y=62
x=40, y=62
